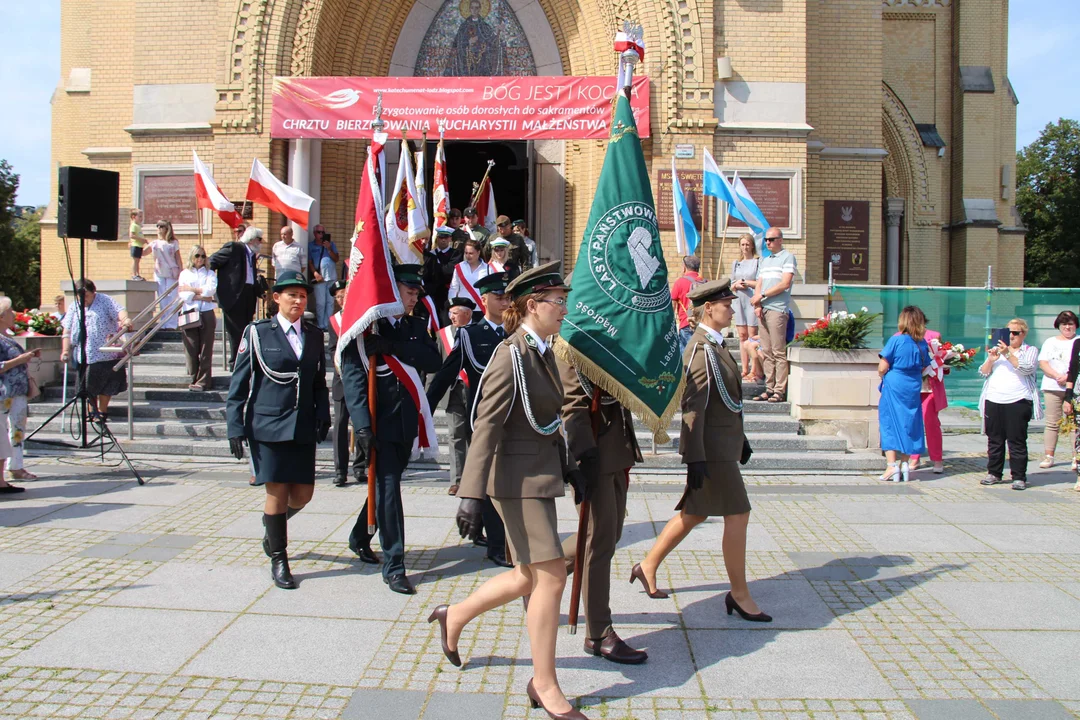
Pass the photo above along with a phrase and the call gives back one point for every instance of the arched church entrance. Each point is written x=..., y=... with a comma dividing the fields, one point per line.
x=492, y=38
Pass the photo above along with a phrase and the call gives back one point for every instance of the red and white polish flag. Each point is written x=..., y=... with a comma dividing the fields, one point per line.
x=265, y=189
x=485, y=204
x=208, y=195
x=440, y=193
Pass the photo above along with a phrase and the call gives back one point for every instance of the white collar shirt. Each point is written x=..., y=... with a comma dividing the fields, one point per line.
x=296, y=337
x=718, y=337
x=540, y=344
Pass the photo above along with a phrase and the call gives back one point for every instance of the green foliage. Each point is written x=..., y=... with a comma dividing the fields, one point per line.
x=20, y=245
x=1048, y=200
x=839, y=331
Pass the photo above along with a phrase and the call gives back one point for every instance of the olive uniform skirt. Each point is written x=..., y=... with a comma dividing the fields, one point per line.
x=283, y=462
x=532, y=529
x=723, y=493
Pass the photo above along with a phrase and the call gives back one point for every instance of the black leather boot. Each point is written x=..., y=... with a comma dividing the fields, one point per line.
x=266, y=540
x=277, y=533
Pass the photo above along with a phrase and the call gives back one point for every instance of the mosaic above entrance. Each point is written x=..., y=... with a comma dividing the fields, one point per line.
x=475, y=38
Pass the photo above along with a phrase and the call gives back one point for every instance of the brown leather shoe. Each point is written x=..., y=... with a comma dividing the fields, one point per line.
x=453, y=489
x=614, y=649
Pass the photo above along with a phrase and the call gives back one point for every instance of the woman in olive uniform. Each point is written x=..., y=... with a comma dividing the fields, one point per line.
x=278, y=402
x=711, y=445
x=518, y=457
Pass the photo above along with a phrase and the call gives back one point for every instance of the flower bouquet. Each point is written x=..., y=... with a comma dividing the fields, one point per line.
x=946, y=357
x=22, y=322
x=839, y=330
x=44, y=323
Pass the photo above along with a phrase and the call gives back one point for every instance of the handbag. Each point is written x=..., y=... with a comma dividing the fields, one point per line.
x=190, y=320
x=747, y=451
x=34, y=390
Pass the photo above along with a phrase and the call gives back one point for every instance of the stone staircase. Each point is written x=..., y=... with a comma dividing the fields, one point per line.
x=170, y=420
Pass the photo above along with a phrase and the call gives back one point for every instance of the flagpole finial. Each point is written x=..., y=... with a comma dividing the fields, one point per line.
x=630, y=44
x=442, y=127
x=378, y=123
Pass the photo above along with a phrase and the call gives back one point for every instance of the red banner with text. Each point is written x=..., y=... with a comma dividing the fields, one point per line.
x=474, y=108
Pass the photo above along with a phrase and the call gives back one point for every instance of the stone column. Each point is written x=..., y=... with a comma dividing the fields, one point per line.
x=894, y=213
x=299, y=178
x=315, y=185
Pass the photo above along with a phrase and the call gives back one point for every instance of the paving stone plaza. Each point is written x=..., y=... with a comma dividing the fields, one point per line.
x=933, y=599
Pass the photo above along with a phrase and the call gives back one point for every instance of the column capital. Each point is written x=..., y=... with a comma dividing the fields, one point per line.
x=894, y=211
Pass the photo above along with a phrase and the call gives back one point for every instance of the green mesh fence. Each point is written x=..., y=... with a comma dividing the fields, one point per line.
x=961, y=315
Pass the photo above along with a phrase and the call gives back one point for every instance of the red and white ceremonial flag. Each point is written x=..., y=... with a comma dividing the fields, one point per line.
x=433, y=315
x=406, y=229
x=420, y=183
x=208, y=195
x=485, y=204
x=440, y=193
x=372, y=291
x=267, y=190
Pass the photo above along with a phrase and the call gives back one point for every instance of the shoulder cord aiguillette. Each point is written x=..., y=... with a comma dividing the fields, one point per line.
x=519, y=376
x=281, y=378
x=714, y=366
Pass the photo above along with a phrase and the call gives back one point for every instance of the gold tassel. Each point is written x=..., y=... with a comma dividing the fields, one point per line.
x=596, y=375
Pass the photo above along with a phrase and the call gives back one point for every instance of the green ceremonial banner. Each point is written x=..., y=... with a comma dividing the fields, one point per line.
x=621, y=331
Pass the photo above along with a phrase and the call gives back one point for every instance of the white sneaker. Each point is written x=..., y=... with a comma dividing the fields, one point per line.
x=939, y=467
x=1048, y=462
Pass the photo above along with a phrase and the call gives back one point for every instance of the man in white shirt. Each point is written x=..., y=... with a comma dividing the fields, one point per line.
x=289, y=255
x=468, y=272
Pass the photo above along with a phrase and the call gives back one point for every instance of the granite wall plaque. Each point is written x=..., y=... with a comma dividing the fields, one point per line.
x=169, y=197
x=847, y=240
x=691, y=181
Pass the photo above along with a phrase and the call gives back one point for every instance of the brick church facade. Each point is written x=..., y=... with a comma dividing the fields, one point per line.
x=894, y=115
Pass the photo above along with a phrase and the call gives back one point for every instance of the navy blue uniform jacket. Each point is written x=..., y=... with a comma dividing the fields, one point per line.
x=258, y=407
x=397, y=418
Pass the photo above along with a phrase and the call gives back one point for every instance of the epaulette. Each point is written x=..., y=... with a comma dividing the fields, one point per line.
x=261, y=322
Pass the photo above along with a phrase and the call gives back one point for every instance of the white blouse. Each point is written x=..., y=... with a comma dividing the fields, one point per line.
x=205, y=280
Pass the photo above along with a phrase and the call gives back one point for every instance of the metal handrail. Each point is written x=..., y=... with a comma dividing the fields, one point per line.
x=135, y=343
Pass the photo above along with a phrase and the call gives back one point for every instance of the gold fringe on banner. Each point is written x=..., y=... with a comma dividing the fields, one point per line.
x=596, y=375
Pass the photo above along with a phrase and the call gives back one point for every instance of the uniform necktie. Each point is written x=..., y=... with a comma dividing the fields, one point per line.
x=294, y=341
x=500, y=332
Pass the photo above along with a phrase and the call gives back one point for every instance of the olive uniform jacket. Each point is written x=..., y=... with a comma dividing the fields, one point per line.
x=616, y=442
x=710, y=431
x=508, y=458
x=259, y=408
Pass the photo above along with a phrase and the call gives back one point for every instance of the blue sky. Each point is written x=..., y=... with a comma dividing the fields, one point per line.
x=1043, y=39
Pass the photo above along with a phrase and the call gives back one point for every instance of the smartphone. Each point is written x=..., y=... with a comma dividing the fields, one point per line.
x=999, y=335
x=326, y=236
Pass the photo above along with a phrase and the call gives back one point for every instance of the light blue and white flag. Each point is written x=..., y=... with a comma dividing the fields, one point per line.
x=686, y=234
x=739, y=203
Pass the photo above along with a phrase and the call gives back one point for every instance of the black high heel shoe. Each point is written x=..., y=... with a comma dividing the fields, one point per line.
x=733, y=606
x=638, y=574
x=536, y=702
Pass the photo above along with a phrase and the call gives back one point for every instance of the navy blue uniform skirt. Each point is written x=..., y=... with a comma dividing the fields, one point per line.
x=283, y=462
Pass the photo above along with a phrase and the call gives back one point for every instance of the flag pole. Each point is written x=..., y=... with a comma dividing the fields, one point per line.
x=476, y=197
x=723, y=238
x=628, y=58
x=372, y=386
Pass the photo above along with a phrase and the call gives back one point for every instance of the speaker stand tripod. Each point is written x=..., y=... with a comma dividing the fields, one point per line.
x=105, y=439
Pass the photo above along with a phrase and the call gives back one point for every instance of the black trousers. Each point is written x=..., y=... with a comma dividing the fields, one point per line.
x=341, y=446
x=238, y=317
x=1007, y=424
x=390, y=462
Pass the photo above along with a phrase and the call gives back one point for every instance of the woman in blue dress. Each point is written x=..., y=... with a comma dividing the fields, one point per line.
x=903, y=359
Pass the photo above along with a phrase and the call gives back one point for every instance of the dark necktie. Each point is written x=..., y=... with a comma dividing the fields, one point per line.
x=500, y=332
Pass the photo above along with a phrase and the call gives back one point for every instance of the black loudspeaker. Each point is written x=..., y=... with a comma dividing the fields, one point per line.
x=88, y=203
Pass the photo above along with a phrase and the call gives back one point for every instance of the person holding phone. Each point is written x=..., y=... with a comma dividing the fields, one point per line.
x=1009, y=401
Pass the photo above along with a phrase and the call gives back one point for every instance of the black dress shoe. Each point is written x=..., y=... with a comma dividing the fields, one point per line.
x=500, y=561
x=733, y=606
x=400, y=584
x=365, y=553
x=614, y=649
x=341, y=480
x=480, y=541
